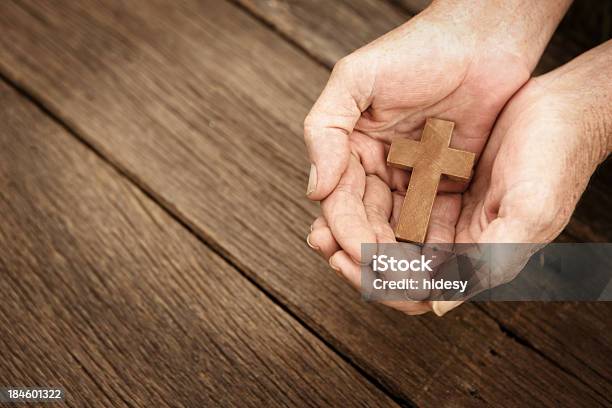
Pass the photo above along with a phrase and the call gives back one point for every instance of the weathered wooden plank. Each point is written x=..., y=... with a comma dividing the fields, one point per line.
x=328, y=30
x=203, y=107
x=589, y=22
x=107, y=296
x=412, y=6
x=574, y=333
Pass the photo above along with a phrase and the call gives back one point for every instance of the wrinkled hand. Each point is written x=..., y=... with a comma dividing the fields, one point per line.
x=454, y=62
x=429, y=67
x=540, y=157
x=541, y=154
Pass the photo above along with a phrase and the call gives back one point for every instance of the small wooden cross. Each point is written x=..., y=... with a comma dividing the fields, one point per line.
x=428, y=159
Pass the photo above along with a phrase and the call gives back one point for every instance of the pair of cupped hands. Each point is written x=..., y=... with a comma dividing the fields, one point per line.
x=537, y=139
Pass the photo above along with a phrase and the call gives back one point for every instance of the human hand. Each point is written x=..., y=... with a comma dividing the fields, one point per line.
x=545, y=146
x=452, y=61
x=542, y=152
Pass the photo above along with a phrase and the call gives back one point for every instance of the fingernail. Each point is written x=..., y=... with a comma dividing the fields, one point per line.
x=440, y=308
x=309, y=244
x=335, y=268
x=312, y=180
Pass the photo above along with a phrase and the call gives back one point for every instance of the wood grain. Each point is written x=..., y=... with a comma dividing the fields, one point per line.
x=574, y=335
x=412, y=6
x=202, y=106
x=108, y=297
x=429, y=159
x=327, y=30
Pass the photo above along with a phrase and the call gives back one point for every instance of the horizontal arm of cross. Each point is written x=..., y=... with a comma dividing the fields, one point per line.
x=457, y=164
x=405, y=153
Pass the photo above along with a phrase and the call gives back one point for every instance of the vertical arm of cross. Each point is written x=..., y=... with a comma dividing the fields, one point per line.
x=428, y=159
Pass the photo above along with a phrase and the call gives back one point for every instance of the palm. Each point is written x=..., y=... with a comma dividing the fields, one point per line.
x=451, y=81
x=452, y=65
x=405, y=88
x=529, y=177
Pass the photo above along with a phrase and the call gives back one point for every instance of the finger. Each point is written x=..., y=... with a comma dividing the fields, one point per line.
x=510, y=243
x=398, y=200
x=346, y=267
x=444, y=215
x=504, y=261
x=320, y=221
x=327, y=126
x=322, y=240
x=378, y=203
x=351, y=271
x=442, y=307
x=441, y=230
x=440, y=238
x=372, y=154
x=345, y=212
x=412, y=308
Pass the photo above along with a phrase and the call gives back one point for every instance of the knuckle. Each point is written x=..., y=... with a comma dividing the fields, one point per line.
x=345, y=191
x=311, y=121
x=342, y=64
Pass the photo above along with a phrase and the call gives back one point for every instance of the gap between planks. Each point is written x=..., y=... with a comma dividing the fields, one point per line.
x=527, y=344
x=184, y=221
x=199, y=234
x=295, y=44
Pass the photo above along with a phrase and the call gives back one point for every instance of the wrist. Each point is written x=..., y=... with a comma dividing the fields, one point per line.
x=522, y=28
x=598, y=122
x=590, y=77
x=572, y=104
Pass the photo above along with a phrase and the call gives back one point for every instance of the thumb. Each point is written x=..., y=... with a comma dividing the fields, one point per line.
x=508, y=243
x=511, y=242
x=327, y=128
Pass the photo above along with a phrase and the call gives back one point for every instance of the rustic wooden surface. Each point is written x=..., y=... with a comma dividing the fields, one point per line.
x=200, y=105
x=104, y=294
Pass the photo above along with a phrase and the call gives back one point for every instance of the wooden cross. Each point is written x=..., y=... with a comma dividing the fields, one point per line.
x=428, y=159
